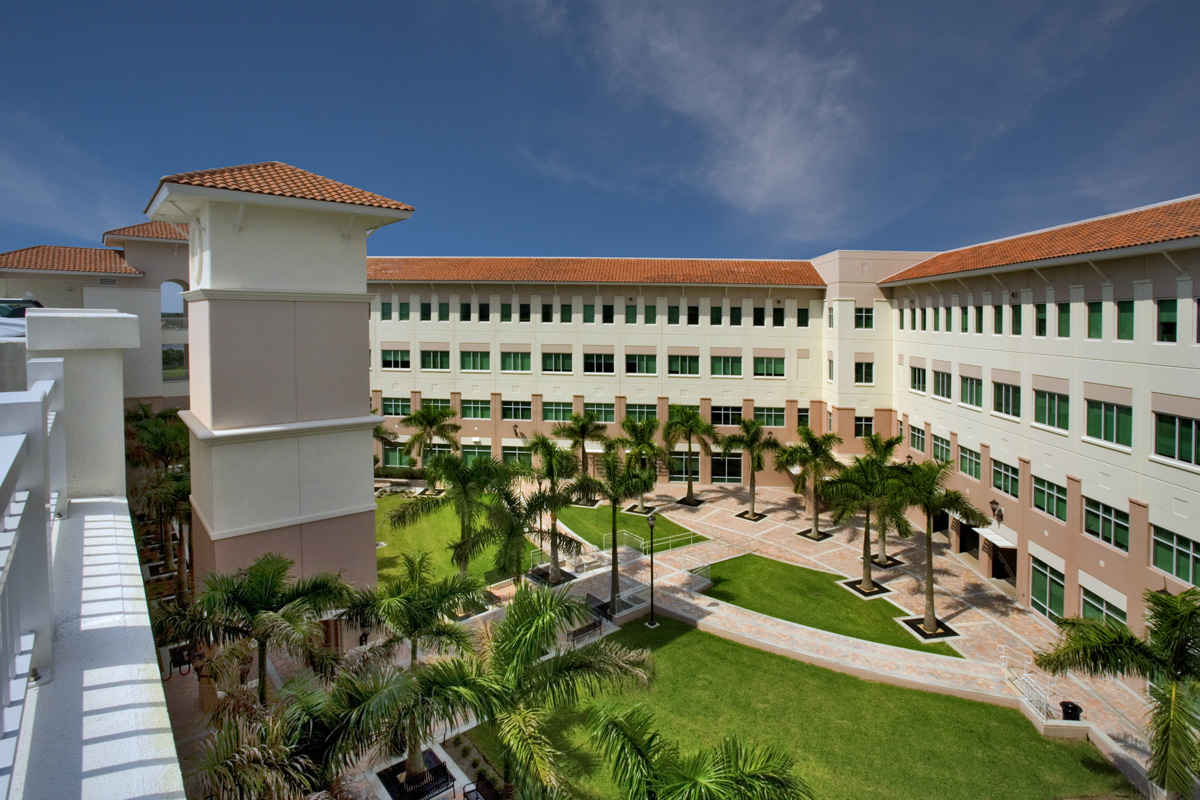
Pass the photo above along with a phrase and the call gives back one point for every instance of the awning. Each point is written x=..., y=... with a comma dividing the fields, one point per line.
x=998, y=535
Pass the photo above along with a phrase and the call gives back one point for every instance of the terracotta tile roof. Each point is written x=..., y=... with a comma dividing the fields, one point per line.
x=754, y=272
x=68, y=259
x=282, y=180
x=151, y=230
x=1176, y=219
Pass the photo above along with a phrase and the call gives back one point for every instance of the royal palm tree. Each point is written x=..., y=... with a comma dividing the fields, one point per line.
x=619, y=480
x=926, y=489
x=1168, y=656
x=687, y=424
x=869, y=487
x=528, y=686
x=641, y=446
x=259, y=603
x=430, y=423
x=754, y=445
x=557, y=473
x=181, y=514
x=813, y=459
x=162, y=440
x=648, y=767
x=579, y=430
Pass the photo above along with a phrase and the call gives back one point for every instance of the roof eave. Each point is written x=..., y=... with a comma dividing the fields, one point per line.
x=110, y=240
x=503, y=282
x=157, y=208
x=24, y=270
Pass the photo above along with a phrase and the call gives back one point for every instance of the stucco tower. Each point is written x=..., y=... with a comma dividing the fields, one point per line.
x=280, y=437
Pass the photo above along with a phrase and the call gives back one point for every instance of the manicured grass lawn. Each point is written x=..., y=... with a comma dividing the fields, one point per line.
x=851, y=738
x=812, y=598
x=593, y=523
x=434, y=534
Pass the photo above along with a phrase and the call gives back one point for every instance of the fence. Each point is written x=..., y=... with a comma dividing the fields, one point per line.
x=641, y=544
x=1038, y=690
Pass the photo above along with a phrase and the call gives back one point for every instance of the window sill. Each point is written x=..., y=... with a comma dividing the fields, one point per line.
x=681, y=375
x=477, y=419
x=423, y=369
x=947, y=400
x=1170, y=462
x=866, y=385
x=772, y=377
x=395, y=369
x=1115, y=548
x=641, y=374
x=601, y=374
x=1118, y=448
x=1041, y=426
x=1006, y=417
x=476, y=371
x=917, y=391
x=516, y=372
x=969, y=406
x=552, y=372
x=726, y=377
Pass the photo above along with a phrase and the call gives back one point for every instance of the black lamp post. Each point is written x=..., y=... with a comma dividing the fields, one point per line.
x=650, y=520
x=366, y=633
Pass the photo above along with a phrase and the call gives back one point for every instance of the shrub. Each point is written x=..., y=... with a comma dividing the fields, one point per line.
x=400, y=473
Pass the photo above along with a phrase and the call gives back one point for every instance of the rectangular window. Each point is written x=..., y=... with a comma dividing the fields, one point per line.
x=1041, y=320
x=478, y=360
x=683, y=365
x=941, y=449
x=900, y=429
x=693, y=315
x=547, y=314
x=650, y=315
x=598, y=364
x=727, y=469
x=603, y=412
x=801, y=317
x=971, y=391
x=979, y=319
x=516, y=362
x=916, y=379
x=735, y=316
x=641, y=365
x=1016, y=320
x=830, y=363
x=942, y=384
x=679, y=467
x=924, y=315
x=672, y=315
x=608, y=314
x=476, y=409
x=476, y=452
x=395, y=457
x=997, y=320
x=1064, y=320
x=402, y=312
x=864, y=426
x=760, y=317
x=485, y=312
x=1125, y=320
x=829, y=316
x=916, y=438
x=517, y=455
x=436, y=402
x=557, y=412
x=802, y=417
x=1050, y=497
x=1047, y=589
x=1006, y=478
x=397, y=406
x=901, y=314
x=912, y=318
x=556, y=362
x=435, y=359
x=714, y=315
x=1095, y=324
x=864, y=372
x=864, y=318
x=565, y=312
x=1110, y=422
x=1177, y=438
x=1176, y=555
x=630, y=314
x=768, y=367
x=771, y=417
x=524, y=312
x=385, y=310
x=516, y=409
x=1006, y=399
x=589, y=313
x=969, y=462
x=1051, y=409
x=673, y=410
x=395, y=359
x=937, y=318
x=506, y=312
x=1096, y=607
x=426, y=312
x=964, y=322
x=1106, y=523
x=641, y=411
x=464, y=312
x=443, y=312
x=1168, y=318
x=730, y=366
x=777, y=319
x=726, y=415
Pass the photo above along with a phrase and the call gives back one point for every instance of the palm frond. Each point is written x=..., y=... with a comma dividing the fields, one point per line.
x=415, y=509
x=628, y=740
x=1101, y=648
x=1174, y=731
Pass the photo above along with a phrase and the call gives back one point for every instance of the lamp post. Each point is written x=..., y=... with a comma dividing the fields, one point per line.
x=366, y=633
x=650, y=520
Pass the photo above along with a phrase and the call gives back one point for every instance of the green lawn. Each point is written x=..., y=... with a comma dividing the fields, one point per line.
x=851, y=738
x=812, y=598
x=592, y=524
x=434, y=534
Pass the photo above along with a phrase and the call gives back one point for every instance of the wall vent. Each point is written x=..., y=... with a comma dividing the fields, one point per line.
x=108, y=281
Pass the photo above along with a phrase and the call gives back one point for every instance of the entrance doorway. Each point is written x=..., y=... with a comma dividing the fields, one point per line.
x=968, y=541
x=1004, y=564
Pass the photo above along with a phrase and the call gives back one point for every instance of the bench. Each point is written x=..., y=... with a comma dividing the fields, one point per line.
x=481, y=789
x=583, y=632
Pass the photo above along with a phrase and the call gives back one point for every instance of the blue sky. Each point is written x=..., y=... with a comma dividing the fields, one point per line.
x=641, y=128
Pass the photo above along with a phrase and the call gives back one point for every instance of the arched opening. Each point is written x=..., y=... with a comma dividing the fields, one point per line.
x=174, y=331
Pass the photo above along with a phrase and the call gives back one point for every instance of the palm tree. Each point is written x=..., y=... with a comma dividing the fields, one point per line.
x=527, y=686
x=162, y=440
x=926, y=488
x=557, y=473
x=430, y=423
x=579, y=430
x=181, y=513
x=640, y=445
x=1168, y=657
x=686, y=423
x=468, y=486
x=869, y=486
x=814, y=460
x=753, y=444
x=647, y=767
x=619, y=480
x=259, y=603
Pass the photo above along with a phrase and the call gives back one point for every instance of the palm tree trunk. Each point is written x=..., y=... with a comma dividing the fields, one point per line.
x=414, y=759
x=867, y=584
x=164, y=539
x=883, y=545
x=412, y=654
x=555, y=573
x=691, y=500
x=262, y=672
x=616, y=575
x=815, y=512
x=642, y=503
x=753, y=516
x=181, y=567
x=930, y=613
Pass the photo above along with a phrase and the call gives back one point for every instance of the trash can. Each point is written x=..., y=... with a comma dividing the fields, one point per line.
x=1070, y=711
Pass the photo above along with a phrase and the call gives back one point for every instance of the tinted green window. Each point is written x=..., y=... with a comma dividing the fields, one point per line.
x=516, y=362
x=1051, y=409
x=516, y=409
x=476, y=409
x=802, y=318
x=435, y=359
x=630, y=314
x=464, y=312
x=1168, y=318
x=683, y=365
x=651, y=315
x=969, y=462
x=564, y=312
x=1096, y=607
x=937, y=314
x=1177, y=438
x=475, y=359
x=556, y=362
x=603, y=412
x=1016, y=320
x=771, y=417
x=1047, y=589
x=997, y=319
x=672, y=315
x=1125, y=319
x=1064, y=320
x=641, y=364
x=963, y=322
x=385, y=310
x=979, y=319
x=589, y=313
x=506, y=312
x=1006, y=478
x=547, y=312
x=735, y=315
x=1106, y=523
x=971, y=391
x=1110, y=422
x=768, y=367
x=396, y=406
x=1040, y=319
x=1050, y=497
x=443, y=312
x=1177, y=555
x=426, y=312
x=726, y=365
x=714, y=315
x=1095, y=311
x=641, y=411
x=556, y=412
x=1006, y=399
